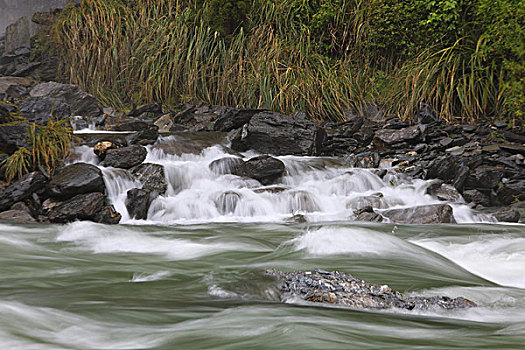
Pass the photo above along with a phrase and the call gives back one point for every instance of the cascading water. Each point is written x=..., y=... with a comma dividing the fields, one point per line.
x=320, y=189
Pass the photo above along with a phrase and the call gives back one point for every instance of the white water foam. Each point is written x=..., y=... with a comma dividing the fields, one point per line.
x=499, y=259
x=321, y=189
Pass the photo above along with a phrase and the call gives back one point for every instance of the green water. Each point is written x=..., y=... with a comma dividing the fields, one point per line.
x=90, y=286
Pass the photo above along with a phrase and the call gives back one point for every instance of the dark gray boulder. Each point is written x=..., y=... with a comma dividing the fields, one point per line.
x=338, y=288
x=476, y=197
x=40, y=109
x=144, y=137
x=79, y=102
x=269, y=132
x=12, y=137
x=443, y=192
x=506, y=214
x=21, y=189
x=138, y=202
x=76, y=179
x=264, y=169
x=125, y=157
x=234, y=118
x=384, y=138
x=126, y=124
x=425, y=214
x=107, y=215
x=484, y=177
x=228, y=165
x=17, y=217
x=512, y=191
x=80, y=207
x=151, y=176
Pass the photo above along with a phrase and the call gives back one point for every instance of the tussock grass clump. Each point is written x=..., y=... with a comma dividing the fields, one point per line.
x=323, y=57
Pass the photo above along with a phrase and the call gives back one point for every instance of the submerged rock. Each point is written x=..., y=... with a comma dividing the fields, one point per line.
x=343, y=289
x=424, y=214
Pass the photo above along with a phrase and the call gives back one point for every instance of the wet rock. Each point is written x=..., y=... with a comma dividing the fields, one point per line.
x=108, y=215
x=78, y=101
x=364, y=160
x=228, y=165
x=269, y=132
x=227, y=202
x=512, y=191
x=298, y=219
x=138, y=202
x=374, y=201
x=234, y=118
x=144, y=137
x=425, y=214
x=177, y=147
x=264, y=169
x=506, y=214
x=154, y=109
x=302, y=201
x=387, y=137
x=76, y=179
x=80, y=207
x=17, y=217
x=125, y=124
x=484, y=177
x=338, y=288
x=367, y=214
x=125, y=157
x=151, y=176
x=102, y=147
x=476, y=197
x=443, y=192
x=21, y=189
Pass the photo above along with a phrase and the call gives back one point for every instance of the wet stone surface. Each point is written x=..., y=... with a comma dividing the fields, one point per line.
x=339, y=288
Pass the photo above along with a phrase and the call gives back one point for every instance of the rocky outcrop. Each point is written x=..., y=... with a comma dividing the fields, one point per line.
x=264, y=169
x=278, y=134
x=125, y=157
x=78, y=178
x=338, y=288
x=426, y=214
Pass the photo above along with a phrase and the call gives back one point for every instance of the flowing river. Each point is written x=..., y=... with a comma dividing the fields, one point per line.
x=189, y=277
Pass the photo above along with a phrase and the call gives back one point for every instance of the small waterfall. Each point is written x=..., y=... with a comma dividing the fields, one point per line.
x=320, y=189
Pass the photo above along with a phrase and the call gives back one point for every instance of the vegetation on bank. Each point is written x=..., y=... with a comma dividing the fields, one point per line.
x=466, y=58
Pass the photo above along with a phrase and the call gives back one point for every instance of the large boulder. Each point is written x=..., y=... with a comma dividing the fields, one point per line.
x=484, y=177
x=234, y=118
x=40, y=109
x=138, y=202
x=79, y=102
x=126, y=157
x=80, y=207
x=425, y=214
x=21, y=189
x=76, y=179
x=269, y=132
x=264, y=169
x=144, y=137
x=228, y=165
x=151, y=176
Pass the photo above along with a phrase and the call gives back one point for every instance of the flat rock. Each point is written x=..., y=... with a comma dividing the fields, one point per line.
x=387, y=137
x=76, y=179
x=425, y=214
x=338, y=288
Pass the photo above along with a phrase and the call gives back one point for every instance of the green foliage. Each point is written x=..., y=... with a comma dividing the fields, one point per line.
x=48, y=145
x=324, y=57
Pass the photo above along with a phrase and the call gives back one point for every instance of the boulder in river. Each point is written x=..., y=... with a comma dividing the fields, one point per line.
x=228, y=165
x=76, y=179
x=338, y=288
x=138, y=202
x=126, y=157
x=21, y=189
x=424, y=214
x=269, y=132
x=80, y=207
x=151, y=176
x=144, y=137
x=264, y=169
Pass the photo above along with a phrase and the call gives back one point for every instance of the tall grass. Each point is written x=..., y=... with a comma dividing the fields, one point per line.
x=146, y=51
